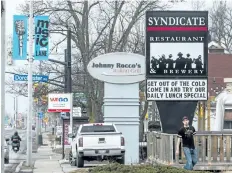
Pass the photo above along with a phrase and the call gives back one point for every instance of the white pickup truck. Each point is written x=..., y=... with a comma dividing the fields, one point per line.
x=98, y=141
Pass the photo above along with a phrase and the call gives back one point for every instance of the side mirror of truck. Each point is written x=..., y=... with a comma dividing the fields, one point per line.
x=71, y=135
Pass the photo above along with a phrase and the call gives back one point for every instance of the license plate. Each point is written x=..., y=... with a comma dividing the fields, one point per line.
x=102, y=151
x=15, y=148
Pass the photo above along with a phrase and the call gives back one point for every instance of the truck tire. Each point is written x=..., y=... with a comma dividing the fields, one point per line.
x=122, y=160
x=72, y=160
x=79, y=162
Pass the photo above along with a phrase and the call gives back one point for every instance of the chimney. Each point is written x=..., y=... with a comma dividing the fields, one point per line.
x=228, y=82
x=216, y=49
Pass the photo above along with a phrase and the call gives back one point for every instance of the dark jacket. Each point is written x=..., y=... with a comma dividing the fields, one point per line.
x=15, y=138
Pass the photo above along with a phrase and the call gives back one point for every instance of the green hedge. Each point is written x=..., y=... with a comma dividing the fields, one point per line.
x=117, y=168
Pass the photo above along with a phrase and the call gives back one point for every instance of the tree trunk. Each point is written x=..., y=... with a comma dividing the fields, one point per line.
x=142, y=117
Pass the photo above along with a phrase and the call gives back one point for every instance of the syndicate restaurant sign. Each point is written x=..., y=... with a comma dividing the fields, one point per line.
x=119, y=67
x=176, y=43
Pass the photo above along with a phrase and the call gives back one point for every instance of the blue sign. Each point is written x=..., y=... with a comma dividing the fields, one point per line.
x=35, y=78
x=41, y=38
x=40, y=115
x=20, y=28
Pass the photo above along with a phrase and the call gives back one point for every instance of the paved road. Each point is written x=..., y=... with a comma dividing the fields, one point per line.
x=15, y=158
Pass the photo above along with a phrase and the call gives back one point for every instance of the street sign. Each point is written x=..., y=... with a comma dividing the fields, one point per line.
x=76, y=111
x=35, y=78
x=40, y=115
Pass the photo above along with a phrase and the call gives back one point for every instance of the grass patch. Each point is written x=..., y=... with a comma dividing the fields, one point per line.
x=117, y=168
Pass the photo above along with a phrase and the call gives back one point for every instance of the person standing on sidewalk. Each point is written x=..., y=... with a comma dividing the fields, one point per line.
x=186, y=134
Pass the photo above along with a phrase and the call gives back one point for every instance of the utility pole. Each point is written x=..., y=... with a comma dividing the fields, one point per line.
x=2, y=71
x=30, y=61
x=68, y=82
x=69, y=75
x=39, y=97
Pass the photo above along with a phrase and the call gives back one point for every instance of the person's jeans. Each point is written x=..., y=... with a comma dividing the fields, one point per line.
x=191, y=157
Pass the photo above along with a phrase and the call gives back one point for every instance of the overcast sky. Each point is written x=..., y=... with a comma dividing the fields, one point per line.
x=11, y=10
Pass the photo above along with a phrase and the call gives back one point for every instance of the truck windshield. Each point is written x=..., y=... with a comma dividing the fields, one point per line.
x=98, y=128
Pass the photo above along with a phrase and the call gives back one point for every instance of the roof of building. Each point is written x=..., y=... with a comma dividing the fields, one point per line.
x=215, y=45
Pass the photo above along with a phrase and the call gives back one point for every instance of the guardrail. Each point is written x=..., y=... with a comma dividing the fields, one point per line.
x=213, y=148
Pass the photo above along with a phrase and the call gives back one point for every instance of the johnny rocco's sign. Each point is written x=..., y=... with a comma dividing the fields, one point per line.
x=119, y=67
x=176, y=43
x=177, y=89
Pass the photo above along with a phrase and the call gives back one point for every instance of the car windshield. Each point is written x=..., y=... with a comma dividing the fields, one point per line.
x=98, y=128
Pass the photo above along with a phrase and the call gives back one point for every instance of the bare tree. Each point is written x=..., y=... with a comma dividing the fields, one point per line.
x=198, y=4
x=221, y=24
x=20, y=88
x=97, y=27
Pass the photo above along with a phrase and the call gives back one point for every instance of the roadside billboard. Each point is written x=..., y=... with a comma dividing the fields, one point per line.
x=59, y=102
x=176, y=64
x=177, y=49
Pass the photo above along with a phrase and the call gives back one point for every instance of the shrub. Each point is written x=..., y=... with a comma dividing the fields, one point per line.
x=117, y=168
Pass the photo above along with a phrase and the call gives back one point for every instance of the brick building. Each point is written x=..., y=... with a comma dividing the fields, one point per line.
x=220, y=67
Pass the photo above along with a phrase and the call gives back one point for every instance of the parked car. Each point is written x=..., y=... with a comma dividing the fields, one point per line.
x=97, y=142
x=6, y=151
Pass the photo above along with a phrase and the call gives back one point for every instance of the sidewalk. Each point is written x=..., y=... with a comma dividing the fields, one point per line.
x=47, y=161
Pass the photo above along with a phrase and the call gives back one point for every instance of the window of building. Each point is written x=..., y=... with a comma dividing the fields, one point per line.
x=228, y=119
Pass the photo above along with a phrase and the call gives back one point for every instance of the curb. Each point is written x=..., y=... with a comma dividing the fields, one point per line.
x=19, y=167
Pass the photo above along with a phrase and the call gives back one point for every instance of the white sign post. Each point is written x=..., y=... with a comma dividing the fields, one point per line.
x=121, y=73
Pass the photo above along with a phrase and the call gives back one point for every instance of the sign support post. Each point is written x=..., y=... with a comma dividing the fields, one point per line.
x=71, y=113
x=30, y=61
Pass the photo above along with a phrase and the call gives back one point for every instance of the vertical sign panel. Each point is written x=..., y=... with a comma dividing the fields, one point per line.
x=20, y=37
x=41, y=38
x=176, y=63
x=177, y=48
x=177, y=43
